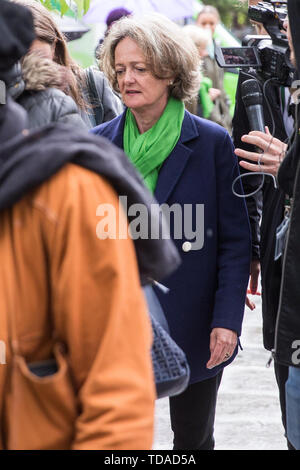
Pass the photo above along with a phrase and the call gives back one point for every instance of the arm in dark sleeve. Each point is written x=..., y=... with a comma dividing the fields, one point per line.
x=66, y=112
x=234, y=244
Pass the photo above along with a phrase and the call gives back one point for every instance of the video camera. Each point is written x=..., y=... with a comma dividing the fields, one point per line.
x=269, y=55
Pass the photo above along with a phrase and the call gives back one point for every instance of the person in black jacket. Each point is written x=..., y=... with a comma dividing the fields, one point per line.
x=266, y=210
x=287, y=338
x=287, y=328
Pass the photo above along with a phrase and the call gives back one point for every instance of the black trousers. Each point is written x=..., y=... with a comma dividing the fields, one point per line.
x=281, y=374
x=193, y=415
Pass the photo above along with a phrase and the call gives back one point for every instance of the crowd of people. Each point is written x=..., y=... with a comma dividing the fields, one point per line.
x=150, y=122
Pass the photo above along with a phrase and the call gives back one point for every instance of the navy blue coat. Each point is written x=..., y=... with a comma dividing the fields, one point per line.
x=208, y=290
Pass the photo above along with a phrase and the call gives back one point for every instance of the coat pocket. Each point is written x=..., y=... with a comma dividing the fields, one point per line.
x=42, y=406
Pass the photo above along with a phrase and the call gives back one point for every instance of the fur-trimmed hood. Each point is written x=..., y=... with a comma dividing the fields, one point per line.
x=40, y=73
x=37, y=73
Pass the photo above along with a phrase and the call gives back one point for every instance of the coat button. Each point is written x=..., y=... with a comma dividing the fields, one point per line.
x=187, y=246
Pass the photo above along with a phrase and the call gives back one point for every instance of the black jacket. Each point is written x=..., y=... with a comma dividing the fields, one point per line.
x=265, y=208
x=287, y=335
x=49, y=106
x=288, y=322
x=13, y=120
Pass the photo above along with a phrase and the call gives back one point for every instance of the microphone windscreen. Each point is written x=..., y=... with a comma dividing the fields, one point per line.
x=251, y=93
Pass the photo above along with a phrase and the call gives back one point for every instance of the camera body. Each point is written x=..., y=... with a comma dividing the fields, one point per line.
x=274, y=52
x=269, y=55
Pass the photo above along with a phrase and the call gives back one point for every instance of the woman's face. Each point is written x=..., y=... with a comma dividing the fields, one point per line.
x=208, y=21
x=139, y=88
x=43, y=47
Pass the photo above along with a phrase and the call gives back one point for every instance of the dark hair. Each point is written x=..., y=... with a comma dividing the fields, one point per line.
x=116, y=15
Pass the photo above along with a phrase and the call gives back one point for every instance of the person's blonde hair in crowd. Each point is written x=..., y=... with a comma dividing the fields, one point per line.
x=209, y=18
x=200, y=36
x=165, y=48
x=209, y=9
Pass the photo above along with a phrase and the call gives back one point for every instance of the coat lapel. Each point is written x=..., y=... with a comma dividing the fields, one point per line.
x=174, y=165
x=117, y=135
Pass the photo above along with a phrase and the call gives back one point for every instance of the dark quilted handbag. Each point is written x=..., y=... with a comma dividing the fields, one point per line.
x=171, y=369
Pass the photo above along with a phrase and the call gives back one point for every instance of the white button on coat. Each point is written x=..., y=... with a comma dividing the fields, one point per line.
x=186, y=246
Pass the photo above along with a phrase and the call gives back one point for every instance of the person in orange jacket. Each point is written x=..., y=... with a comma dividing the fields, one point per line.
x=73, y=316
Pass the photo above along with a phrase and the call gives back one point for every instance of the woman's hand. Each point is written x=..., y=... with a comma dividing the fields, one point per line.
x=273, y=152
x=214, y=93
x=222, y=345
x=254, y=275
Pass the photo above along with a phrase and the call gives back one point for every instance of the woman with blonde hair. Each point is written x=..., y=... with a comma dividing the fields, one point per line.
x=203, y=105
x=208, y=18
x=89, y=88
x=189, y=164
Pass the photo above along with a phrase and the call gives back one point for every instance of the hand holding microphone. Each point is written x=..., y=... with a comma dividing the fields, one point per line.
x=274, y=152
x=270, y=152
x=273, y=149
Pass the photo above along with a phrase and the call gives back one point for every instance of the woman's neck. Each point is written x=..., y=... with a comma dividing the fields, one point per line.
x=146, y=118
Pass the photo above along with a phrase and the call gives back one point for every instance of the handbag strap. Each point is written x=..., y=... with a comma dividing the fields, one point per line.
x=94, y=97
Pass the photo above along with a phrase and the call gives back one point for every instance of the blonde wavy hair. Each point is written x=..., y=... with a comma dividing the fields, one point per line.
x=200, y=36
x=169, y=52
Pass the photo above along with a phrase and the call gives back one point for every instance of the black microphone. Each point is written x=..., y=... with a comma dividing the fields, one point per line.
x=253, y=99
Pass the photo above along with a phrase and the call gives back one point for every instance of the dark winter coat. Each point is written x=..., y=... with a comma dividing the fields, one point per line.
x=209, y=288
x=265, y=208
x=13, y=120
x=287, y=334
x=38, y=91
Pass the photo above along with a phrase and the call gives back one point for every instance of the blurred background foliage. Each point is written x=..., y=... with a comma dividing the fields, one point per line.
x=233, y=16
x=70, y=7
x=233, y=12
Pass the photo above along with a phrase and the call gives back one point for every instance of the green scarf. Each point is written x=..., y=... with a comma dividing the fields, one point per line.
x=205, y=100
x=149, y=150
